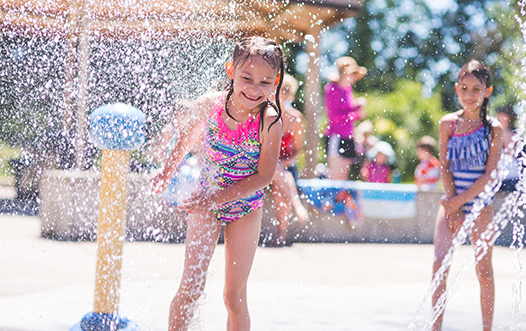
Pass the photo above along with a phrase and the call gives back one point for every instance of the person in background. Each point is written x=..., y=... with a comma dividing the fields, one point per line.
x=427, y=172
x=507, y=117
x=284, y=191
x=377, y=168
x=342, y=110
x=365, y=139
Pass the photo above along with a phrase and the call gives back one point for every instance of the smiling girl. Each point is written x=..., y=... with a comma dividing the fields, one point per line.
x=469, y=149
x=242, y=134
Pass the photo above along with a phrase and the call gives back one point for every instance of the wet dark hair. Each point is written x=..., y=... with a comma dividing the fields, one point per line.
x=481, y=72
x=269, y=51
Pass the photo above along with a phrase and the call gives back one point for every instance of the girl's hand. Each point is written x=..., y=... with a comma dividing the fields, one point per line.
x=455, y=221
x=454, y=216
x=450, y=205
x=200, y=201
x=159, y=181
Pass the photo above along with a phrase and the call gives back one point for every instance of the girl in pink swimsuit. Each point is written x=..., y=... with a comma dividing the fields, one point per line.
x=242, y=133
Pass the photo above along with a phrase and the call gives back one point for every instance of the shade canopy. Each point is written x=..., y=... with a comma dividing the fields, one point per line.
x=138, y=19
x=80, y=21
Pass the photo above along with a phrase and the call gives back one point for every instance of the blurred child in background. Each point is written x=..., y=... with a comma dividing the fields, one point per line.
x=365, y=141
x=427, y=172
x=284, y=191
x=378, y=167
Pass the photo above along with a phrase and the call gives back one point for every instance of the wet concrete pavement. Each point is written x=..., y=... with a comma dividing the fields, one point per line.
x=48, y=285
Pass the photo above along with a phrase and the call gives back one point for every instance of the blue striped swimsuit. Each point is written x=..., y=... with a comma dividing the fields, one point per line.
x=467, y=155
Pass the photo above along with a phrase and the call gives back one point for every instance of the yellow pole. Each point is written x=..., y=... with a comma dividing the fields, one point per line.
x=111, y=229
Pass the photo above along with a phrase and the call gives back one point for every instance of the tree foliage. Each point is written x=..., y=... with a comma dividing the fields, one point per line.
x=413, y=51
x=414, y=39
x=401, y=117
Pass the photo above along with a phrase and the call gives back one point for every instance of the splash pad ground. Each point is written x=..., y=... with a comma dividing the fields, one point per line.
x=48, y=285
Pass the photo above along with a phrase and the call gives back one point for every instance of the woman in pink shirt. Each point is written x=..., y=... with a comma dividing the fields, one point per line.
x=342, y=110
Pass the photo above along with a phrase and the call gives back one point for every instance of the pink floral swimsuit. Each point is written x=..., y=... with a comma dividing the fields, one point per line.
x=228, y=157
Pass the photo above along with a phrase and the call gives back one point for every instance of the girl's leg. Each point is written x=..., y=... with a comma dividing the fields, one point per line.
x=484, y=269
x=282, y=197
x=201, y=239
x=339, y=167
x=443, y=240
x=299, y=209
x=241, y=239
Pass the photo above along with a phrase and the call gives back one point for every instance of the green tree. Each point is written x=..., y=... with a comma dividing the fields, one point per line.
x=510, y=88
x=403, y=116
x=415, y=40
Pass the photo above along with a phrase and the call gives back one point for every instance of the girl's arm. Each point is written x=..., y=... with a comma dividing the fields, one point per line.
x=478, y=186
x=365, y=171
x=268, y=160
x=297, y=137
x=446, y=175
x=189, y=135
x=454, y=216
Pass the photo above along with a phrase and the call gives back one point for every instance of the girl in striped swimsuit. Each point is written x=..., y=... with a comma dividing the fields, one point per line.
x=242, y=133
x=470, y=148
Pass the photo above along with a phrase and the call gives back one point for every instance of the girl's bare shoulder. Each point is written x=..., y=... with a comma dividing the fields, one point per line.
x=209, y=99
x=269, y=123
x=495, y=122
x=270, y=111
x=207, y=102
x=450, y=118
